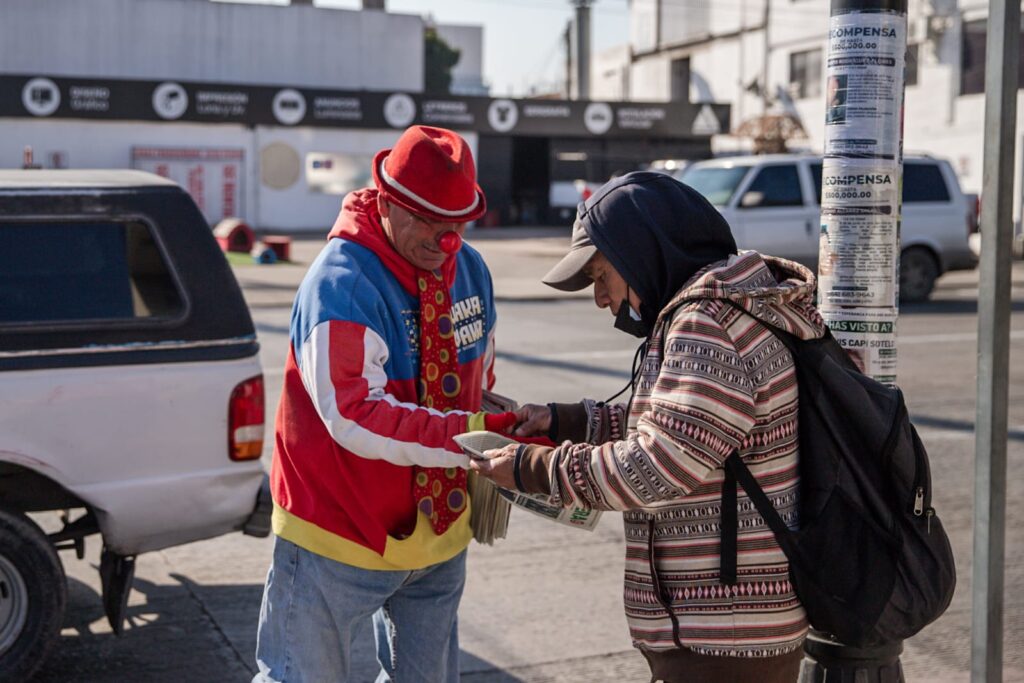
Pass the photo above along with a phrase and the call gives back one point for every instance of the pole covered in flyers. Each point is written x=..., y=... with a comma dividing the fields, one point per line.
x=859, y=248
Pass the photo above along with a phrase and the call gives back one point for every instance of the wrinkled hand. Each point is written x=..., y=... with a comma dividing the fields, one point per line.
x=498, y=467
x=533, y=420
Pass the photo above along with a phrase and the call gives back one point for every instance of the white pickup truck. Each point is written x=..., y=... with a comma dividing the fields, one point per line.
x=131, y=388
x=773, y=203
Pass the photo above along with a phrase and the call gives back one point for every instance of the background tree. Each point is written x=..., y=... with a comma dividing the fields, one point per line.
x=438, y=60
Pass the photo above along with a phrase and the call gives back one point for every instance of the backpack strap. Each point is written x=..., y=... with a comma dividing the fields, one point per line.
x=729, y=527
x=735, y=465
x=736, y=471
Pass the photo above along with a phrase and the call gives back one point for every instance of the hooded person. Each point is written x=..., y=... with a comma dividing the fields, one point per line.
x=713, y=380
x=392, y=344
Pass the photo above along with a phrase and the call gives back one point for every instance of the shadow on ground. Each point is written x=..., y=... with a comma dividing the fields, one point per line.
x=185, y=631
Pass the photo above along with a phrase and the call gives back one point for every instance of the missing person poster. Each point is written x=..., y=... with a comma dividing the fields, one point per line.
x=864, y=89
x=859, y=240
x=858, y=256
x=869, y=339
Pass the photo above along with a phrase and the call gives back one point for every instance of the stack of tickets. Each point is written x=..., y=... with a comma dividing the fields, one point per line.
x=491, y=505
x=490, y=510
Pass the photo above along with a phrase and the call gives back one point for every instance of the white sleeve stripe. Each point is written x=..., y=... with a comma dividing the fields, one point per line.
x=489, y=353
x=395, y=403
x=316, y=375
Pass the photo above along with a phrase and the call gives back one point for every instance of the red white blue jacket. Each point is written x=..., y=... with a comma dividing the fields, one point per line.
x=348, y=427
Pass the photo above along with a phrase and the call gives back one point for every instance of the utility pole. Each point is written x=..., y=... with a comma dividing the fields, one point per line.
x=582, y=48
x=858, y=256
x=568, y=59
x=766, y=59
x=1001, y=67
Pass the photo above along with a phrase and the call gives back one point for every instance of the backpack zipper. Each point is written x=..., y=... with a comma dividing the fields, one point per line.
x=922, y=481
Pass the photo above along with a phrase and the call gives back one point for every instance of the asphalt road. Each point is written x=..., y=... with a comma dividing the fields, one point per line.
x=544, y=605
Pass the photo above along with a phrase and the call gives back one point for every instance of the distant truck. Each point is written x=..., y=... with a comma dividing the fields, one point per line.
x=565, y=195
x=131, y=387
x=773, y=203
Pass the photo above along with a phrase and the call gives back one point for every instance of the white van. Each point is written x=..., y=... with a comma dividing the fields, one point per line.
x=773, y=203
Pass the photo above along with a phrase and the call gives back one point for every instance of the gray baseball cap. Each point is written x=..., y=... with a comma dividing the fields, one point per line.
x=568, y=275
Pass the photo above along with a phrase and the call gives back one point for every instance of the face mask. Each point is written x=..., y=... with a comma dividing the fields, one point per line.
x=629, y=321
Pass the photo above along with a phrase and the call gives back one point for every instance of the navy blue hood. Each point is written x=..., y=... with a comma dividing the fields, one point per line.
x=657, y=233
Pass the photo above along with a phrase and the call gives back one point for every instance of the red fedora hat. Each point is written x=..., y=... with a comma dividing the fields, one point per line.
x=430, y=172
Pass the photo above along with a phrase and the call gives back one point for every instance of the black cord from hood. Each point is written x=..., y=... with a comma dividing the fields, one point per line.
x=641, y=353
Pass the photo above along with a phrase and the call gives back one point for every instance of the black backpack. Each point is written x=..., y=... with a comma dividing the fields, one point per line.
x=871, y=562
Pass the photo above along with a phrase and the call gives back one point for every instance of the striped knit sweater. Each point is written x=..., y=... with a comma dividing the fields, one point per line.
x=713, y=381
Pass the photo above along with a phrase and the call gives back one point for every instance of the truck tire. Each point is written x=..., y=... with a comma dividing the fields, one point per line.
x=33, y=592
x=918, y=272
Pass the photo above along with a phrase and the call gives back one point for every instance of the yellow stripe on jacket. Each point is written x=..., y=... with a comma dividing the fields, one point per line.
x=422, y=548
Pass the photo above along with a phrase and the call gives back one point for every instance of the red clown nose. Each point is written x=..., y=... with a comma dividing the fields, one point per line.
x=450, y=242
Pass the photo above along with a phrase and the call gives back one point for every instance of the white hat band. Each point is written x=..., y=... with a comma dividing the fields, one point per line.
x=423, y=202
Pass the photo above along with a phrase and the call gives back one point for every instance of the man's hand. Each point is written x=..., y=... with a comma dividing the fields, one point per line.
x=533, y=420
x=498, y=467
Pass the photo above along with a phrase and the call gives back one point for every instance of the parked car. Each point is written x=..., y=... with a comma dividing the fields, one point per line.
x=565, y=196
x=131, y=388
x=773, y=203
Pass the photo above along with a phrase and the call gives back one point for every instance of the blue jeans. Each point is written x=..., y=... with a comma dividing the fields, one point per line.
x=312, y=604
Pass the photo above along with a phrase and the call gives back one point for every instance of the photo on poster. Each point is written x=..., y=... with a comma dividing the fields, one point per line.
x=836, y=91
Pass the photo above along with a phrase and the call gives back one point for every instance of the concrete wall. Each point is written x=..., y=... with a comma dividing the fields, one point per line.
x=609, y=74
x=649, y=80
x=208, y=41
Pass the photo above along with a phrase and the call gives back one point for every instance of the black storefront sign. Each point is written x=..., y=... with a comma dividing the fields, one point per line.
x=113, y=99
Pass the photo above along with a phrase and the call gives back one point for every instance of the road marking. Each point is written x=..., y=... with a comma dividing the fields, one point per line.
x=1014, y=433
x=589, y=355
x=946, y=338
x=940, y=434
x=972, y=292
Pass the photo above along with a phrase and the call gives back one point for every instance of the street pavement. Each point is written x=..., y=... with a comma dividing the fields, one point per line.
x=543, y=605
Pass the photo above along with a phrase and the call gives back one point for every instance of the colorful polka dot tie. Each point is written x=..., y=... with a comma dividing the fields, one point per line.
x=440, y=493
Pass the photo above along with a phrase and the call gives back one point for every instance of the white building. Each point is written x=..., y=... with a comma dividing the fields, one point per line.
x=720, y=51
x=222, y=63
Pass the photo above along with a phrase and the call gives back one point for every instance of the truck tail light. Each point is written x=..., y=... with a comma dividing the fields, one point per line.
x=245, y=420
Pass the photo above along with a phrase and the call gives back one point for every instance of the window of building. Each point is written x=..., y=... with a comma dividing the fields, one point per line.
x=774, y=186
x=74, y=272
x=911, y=71
x=805, y=73
x=680, y=85
x=972, y=59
